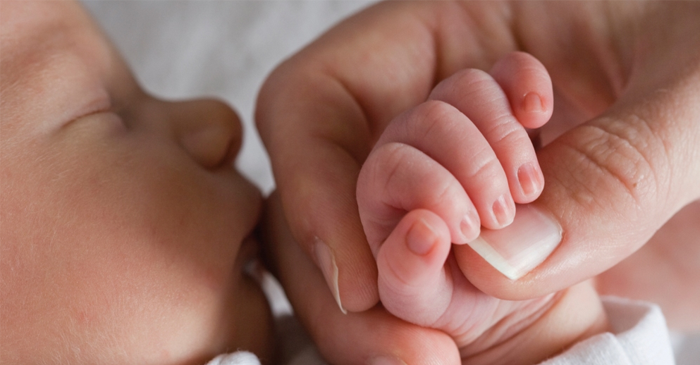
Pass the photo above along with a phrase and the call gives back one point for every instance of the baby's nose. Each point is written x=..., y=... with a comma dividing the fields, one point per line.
x=209, y=130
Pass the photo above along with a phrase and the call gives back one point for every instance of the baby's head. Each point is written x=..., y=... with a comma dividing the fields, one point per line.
x=124, y=229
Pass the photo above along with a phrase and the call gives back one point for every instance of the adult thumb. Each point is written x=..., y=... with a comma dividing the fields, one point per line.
x=610, y=184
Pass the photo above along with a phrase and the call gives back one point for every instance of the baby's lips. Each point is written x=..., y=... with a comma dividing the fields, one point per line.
x=518, y=248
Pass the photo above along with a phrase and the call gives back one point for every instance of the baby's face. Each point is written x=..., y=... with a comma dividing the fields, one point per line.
x=124, y=230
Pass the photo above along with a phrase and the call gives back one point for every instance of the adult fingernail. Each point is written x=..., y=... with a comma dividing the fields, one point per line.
x=530, y=179
x=386, y=360
x=523, y=245
x=421, y=238
x=532, y=103
x=326, y=261
x=469, y=226
x=503, y=210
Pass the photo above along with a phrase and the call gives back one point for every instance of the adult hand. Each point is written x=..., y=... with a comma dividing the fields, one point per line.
x=626, y=78
x=370, y=337
x=665, y=271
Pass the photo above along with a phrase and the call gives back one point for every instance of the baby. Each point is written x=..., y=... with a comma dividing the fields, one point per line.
x=125, y=230
x=441, y=170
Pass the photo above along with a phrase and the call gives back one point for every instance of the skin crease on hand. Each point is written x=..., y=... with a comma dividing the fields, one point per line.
x=124, y=229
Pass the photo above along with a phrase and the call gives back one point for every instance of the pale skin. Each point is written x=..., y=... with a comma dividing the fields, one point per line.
x=125, y=229
x=619, y=156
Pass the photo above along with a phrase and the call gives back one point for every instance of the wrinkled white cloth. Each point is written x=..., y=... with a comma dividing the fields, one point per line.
x=639, y=337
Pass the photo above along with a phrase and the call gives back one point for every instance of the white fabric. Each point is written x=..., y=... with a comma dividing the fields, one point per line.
x=639, y=337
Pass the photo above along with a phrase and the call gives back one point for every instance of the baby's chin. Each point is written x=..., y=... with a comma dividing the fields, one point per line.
x=222, y=320
x=254, y=324
x=243, y=323
x=253, y=320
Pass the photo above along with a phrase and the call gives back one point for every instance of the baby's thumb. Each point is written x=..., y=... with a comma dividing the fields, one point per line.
x=411, y=264
x=610, y=184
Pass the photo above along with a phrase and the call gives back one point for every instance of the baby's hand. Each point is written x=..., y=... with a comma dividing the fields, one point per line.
x=440, y=171
x=464, y=154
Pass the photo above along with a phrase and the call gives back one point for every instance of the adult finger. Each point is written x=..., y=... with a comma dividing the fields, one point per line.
x=356, y=338
x=612, y=182
x=664, y=271
x=319, y=114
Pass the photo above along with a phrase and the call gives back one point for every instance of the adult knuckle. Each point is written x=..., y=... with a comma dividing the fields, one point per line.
x=625, y=153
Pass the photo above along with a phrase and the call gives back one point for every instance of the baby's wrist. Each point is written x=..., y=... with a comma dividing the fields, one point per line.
x=574, y=315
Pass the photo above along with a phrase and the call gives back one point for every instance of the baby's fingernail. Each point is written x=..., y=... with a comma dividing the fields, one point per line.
x=386, y=360
x=531, y=179
x=503, y=210
x=420, y=238
x=326, y=261
x=520, y=247
x=532, y=103
x=469, y=226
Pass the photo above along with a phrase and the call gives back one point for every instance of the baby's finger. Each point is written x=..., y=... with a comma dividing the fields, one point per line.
x=476, y=94
x=413, y=282
x=528, y=86
x=367, y=337
x=447, y=136
x=397, y=178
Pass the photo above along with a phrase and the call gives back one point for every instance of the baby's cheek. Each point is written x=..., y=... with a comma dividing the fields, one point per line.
x=151, y=310
x=190, y=306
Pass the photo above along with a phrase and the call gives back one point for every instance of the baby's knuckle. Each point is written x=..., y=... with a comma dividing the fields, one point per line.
x=434, y=117
x=504, y=129
x=444, y=194
x=468, y=77
x=484, y=165
x=389, y=161
x=462, y=83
